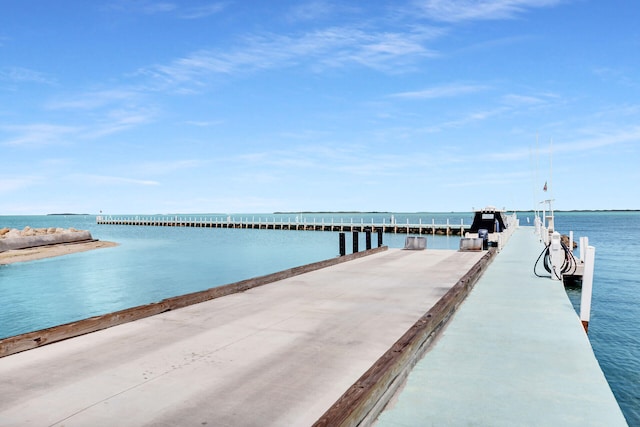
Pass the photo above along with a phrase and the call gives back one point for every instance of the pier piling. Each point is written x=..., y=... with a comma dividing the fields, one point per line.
x=587, y=287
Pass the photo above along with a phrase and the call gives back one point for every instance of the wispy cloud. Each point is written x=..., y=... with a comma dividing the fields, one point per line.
x=326, y=48
x=332, y=161
x=158, y=7
x=118, y=121
x=43, y=134
x=469, y=10
x=166, y=167
x=475, y=116
x=109, y=180
x=584, y=144
x=520, y=100
x=310, y=11
x=444, y=91
x=37, y=134
x=95, y=99
x=203, y=124
x=388, y=52
x=244, y=203
x=176, y=9
x=10, y=184
x=203, y=11
x=24, y=75
x=489, y=179
x=599, y=140
x=107, y=111
x=617, y=75
x=148, y=7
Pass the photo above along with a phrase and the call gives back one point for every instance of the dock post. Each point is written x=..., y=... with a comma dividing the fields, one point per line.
x=380, y=237
x=355, y=242
x=584, y=244
x=343, y=244
x=556, y=256
x=587, y=287
x=571, y=241
x=368, y=239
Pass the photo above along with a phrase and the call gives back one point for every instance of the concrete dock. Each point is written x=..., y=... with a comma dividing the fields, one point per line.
x=515, y=353
x=279, y=354
x=322, y=346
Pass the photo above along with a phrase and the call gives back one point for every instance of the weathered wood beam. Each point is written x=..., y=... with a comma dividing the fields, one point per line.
x=42, y=337
x=366, y=398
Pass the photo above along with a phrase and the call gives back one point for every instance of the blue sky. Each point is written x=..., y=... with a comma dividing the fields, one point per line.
x=143, y=106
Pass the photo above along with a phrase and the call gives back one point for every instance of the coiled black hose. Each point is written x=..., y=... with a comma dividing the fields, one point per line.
x=569, y=264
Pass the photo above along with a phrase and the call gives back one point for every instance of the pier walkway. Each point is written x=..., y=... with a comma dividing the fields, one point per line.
x=448, y=229
x=319, y=347
x=280, y=354
x=515, y=353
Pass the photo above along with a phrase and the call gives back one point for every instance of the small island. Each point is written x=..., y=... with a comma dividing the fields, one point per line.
x=36, y=243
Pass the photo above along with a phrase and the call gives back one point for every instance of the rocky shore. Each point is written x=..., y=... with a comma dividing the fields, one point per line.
x=12, y=233
x=35, y=243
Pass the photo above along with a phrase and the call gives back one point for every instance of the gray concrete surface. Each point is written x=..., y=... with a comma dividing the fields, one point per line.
x=515, y=354
x=276, y=355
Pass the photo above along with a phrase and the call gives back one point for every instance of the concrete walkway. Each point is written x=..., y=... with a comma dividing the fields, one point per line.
x=515, y=354
x=280, y=354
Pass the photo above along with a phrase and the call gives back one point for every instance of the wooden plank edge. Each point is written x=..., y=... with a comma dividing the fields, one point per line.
x=366, y=398
x=35, y=339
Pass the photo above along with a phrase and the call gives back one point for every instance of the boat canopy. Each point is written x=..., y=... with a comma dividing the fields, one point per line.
x=490, y=219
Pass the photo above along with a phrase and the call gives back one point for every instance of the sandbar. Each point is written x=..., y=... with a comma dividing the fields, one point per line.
x=40, y=252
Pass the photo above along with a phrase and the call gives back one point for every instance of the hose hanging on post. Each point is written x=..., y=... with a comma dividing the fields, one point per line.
x=569, y=264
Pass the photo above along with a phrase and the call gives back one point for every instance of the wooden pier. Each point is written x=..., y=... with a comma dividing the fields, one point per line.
x=447, y=229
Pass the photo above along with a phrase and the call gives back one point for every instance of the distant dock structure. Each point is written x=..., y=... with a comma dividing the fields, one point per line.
x=281, y=223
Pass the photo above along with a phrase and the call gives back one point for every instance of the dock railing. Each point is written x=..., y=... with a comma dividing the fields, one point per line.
x=282, y=223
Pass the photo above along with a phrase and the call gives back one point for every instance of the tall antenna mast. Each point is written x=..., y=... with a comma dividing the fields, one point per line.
x=537, y=173
x=551, y=168
x=550, y=200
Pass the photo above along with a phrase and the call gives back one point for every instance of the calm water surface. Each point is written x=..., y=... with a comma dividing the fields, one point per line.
x=152, y=263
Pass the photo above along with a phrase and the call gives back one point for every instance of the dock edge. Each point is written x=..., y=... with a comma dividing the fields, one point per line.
x=39, y=338
x=366, y=398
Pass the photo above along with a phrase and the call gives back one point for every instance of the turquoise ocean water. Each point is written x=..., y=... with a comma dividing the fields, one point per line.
x=152, y=263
